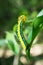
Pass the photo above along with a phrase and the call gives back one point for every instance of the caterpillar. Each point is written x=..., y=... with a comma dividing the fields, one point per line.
x=21, y=19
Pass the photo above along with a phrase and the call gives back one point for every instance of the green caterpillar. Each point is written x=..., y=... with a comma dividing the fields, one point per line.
x=21, y=19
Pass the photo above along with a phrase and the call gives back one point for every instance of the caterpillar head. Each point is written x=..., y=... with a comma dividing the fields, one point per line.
x=22, y=18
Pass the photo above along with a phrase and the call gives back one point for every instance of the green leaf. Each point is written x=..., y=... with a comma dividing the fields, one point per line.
x=14, y=47
x=12, y=43
x=40, y=14
x=36, y=27
x=37, y=24
x=30, y=37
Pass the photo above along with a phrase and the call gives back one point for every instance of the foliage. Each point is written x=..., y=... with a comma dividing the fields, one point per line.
x=37, y=25
x=12, y=43
x=10, y=10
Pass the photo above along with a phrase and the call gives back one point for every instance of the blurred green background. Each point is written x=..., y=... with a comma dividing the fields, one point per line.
x=11, y=9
